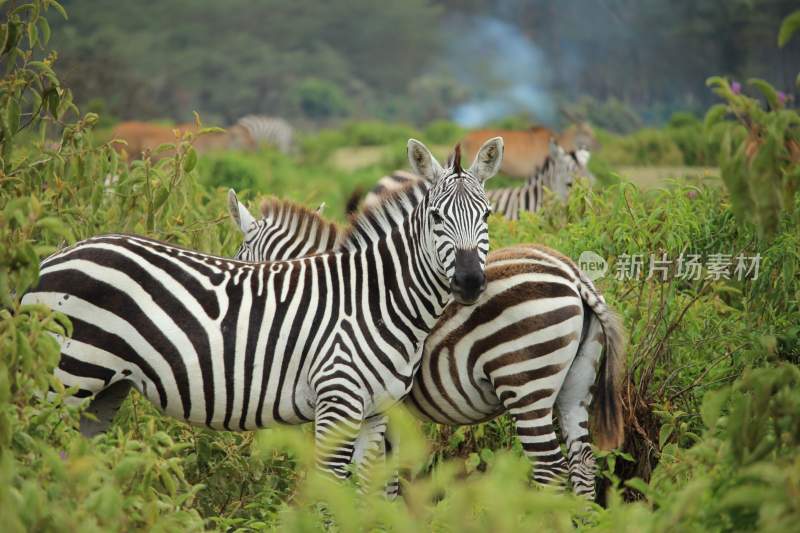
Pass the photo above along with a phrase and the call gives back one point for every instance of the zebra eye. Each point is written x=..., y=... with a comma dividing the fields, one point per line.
x=487, y=214
x=436, y=217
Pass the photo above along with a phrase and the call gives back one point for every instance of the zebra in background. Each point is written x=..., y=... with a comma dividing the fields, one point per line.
x=273, y=131
x=558, y=174
x=533, y=342
x=334, y=338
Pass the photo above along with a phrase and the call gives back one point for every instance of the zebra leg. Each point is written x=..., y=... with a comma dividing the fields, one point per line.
x=539, y=441
x=573, y=403
x=338, y=422
x=370, y=449
x=104, y=407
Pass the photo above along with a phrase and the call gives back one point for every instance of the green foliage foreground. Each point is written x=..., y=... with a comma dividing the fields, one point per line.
x=712, y=393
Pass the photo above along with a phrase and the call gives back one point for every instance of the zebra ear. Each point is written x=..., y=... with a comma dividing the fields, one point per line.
x=554, y=147
x=239, y=213
x=488, y=160
x=422, y=161
x=321, y=208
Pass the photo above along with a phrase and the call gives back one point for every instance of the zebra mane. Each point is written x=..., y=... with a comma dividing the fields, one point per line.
x=279, y=209
x=375, y=223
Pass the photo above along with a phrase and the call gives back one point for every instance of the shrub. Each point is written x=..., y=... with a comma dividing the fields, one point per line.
x=230, y=170
x=760, y=152
x=319, y=99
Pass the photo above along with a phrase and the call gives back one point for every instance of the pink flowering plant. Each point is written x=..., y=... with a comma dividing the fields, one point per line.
x=760, y=151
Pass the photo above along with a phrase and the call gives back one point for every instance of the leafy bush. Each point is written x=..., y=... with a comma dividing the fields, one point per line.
x=230, y=170
x=319, y=99
x=689, y=135
x=760, y=153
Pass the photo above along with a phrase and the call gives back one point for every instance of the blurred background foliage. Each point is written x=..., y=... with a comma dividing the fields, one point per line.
x=620, y=63
x=712, y=392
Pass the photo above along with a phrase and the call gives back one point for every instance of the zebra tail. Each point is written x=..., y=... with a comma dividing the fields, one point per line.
x=608, y=427
x=351, y=207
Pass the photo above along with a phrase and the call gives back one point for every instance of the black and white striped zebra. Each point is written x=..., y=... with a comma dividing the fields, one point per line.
x=557, y=173
x=273, y=131
x=334, y=338
x=533, y=342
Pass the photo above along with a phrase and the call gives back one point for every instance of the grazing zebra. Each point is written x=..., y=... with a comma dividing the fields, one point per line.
x=557, y=174
x=273, y=131
x=334, y=338
x=534, y=339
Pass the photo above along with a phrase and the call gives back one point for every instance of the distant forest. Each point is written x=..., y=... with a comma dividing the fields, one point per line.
x=625, y=62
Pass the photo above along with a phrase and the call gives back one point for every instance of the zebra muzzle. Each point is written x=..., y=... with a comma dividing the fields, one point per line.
x=469, y=280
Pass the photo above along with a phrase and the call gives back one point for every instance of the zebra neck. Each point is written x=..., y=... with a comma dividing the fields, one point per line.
x=410, y=279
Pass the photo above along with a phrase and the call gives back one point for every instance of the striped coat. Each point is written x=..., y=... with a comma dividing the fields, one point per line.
x=334, y=338
x=532, y=343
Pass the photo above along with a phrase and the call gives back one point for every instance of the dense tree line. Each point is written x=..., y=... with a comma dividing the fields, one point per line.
x=319, y=61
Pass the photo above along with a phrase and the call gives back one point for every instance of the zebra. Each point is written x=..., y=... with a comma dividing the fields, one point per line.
x=533, y=341
x=333, y=338
x=557, y=173
x=274, y=131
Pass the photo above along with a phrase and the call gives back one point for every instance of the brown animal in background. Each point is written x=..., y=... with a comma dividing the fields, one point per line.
x=526, y=150
x=141, y=136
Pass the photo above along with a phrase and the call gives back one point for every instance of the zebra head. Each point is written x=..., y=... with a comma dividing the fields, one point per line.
x=560, y=177
x=456, y=210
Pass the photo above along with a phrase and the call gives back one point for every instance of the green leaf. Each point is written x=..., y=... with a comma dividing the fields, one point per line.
x=11, y=36
x=767, y=90
x=191, y=160
x=53, y=102
x=712, y=405
x=715, y=115
x=33, y=35
x=638, y=484
x=664, y=434
x=161, y=197
x=44, y=30
x=164, y=147
x=12, y=116
x=789, y=25
x=472, y=462
x=487, y=455
x=58, y=7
